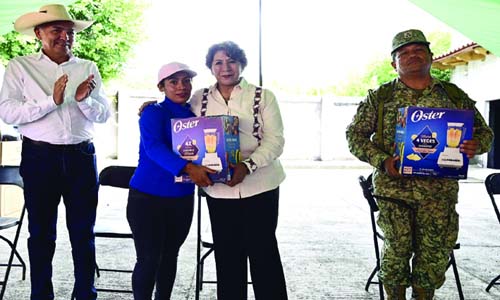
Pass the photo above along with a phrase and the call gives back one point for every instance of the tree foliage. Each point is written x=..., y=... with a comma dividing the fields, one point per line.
x=380, y=70
x=440, y=44
x=377, y=72
x=13, y=44
x=108, y=42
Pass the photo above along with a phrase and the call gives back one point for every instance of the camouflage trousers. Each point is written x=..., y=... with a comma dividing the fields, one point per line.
x=426, y=240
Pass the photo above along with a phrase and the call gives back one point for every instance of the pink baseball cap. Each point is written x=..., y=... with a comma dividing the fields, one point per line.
x=172, y=68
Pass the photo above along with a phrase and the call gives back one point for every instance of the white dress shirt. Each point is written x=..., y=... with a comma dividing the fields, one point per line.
x=269, y=173
x=26, y=99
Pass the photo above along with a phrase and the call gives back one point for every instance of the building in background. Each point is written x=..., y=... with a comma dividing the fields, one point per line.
x=476, y=70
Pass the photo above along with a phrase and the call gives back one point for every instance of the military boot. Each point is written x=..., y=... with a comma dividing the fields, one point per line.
x=395, y=292
x=419, y=293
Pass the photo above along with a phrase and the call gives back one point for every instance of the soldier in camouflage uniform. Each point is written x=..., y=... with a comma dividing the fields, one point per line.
x=428, y=240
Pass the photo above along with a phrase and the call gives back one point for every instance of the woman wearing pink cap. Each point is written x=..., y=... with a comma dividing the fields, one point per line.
x=159, y=211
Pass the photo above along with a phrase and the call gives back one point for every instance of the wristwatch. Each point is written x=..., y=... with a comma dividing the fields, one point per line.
x=250, y=164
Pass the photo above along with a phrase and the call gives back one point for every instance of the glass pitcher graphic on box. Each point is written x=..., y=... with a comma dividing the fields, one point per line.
x=211, y=160
x=451, y=157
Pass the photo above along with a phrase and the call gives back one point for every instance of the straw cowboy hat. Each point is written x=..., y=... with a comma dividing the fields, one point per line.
x=26, y=23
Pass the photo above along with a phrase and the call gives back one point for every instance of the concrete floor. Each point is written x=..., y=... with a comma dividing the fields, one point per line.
x=325, y=242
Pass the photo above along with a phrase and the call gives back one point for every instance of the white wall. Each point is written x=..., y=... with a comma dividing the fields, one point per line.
x=128, y=124
x=314, y=126
x=336, y=114
x=480, y=80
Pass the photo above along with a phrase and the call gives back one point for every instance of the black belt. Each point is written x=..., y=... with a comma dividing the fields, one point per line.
x=57, y=146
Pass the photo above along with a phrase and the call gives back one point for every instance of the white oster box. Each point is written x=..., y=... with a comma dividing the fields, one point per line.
x=211, y=141
x=428, y=139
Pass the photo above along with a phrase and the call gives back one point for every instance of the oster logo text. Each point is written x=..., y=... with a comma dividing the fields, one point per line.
x=419, y=115
x=180, y=125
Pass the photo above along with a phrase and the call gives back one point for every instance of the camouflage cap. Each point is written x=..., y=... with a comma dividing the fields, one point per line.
x=408, y=37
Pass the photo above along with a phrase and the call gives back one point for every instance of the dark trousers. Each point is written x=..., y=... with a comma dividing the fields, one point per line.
x=160, y=226
x=246, y=229
x=50, y=172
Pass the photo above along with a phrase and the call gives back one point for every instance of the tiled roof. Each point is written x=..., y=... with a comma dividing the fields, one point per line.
x=460, y=56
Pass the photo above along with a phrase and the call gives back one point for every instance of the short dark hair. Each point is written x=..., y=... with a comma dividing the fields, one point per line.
x=232, y=50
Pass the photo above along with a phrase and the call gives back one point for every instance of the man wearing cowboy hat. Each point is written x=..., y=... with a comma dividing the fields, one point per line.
x=54, y=98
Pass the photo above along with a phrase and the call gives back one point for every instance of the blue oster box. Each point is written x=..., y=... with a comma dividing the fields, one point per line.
x=212, y=141
x=428, y=139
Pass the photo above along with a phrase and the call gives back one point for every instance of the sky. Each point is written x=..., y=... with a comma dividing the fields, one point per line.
x=304, y=43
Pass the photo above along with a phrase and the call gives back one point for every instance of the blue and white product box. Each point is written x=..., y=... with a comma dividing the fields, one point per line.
x=212, y=141
x=428, y=139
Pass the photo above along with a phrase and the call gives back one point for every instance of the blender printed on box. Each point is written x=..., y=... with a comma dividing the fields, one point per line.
x=428, y=139
x=211, y=141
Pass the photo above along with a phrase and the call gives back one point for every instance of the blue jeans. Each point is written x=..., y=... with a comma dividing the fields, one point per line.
x=49, y=172
x=160, y=226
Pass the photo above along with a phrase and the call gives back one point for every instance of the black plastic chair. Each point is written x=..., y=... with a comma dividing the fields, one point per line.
x=368, y=193
x=204, y=247
x=492, y=183
x=9, y=175
x=366, y=186
x=118, y=177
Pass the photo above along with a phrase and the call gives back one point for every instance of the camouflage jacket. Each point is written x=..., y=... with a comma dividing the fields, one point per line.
x=362, y=137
